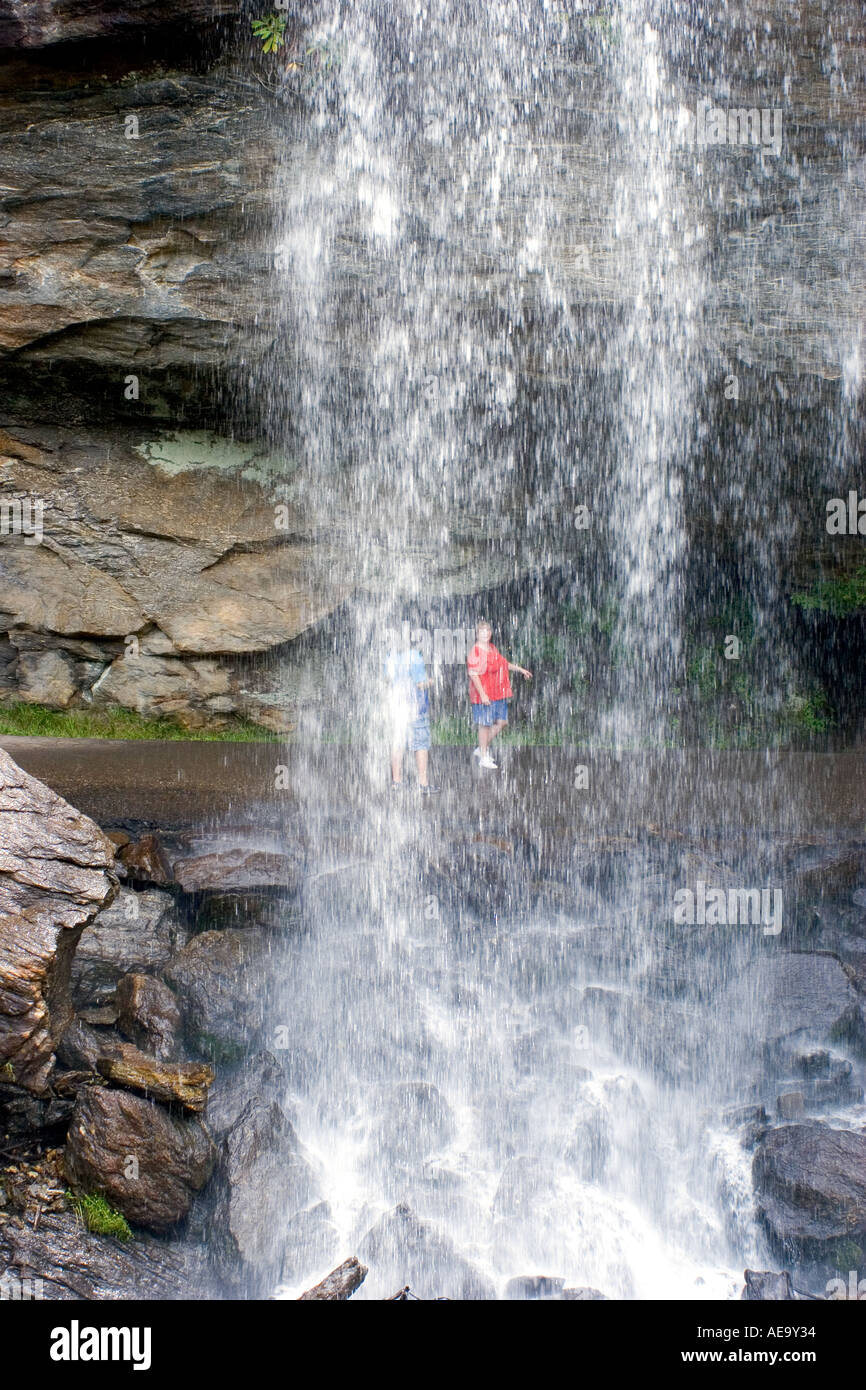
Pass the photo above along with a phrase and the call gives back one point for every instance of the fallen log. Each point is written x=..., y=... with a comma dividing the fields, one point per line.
x=184, y=1082
x=340, y=1284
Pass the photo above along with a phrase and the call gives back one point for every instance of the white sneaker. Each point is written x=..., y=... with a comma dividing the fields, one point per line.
x=476, y=752
x=487, y=761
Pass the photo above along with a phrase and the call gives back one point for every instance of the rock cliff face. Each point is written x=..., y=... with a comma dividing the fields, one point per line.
x=55, y=875
x=141, y=330
x=35, y=23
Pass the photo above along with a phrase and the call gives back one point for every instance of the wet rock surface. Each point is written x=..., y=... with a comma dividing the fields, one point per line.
x=262, y=1180
x=400, y=1249
x=145, y=1160
x=339, y=1285
x=811, y=1191
x=216, y=977
x=145, y=862
x=35, y=23
x=259, y=1076
x=73, y=1264
x=138, y=933
x=812, y=997
x=184, y=1083
x=148, y=1012
x=56, y=872
x=224, y=869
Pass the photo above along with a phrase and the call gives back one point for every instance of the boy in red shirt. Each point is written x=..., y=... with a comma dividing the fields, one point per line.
x=489, y=690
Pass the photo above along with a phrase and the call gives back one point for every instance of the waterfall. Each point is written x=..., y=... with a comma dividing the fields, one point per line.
x=505, y=1063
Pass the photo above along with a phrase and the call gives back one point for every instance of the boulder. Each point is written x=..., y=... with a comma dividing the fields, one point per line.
x=236, y=869
x=810, y=1183
x=147, y=1162
x=148, y=1013
x=185, y=1083
x=136, y=934
x=260, y=1076
x=589, y=1144
x=55, y=875
x=46, y=678
x=262, y=1179
x=145, y=861
x=533, y=1286
x=311, y=1241
x=218, y=980
x=82, y=1045
x=401, y=1250
x=810, y=997
x=412, y=1122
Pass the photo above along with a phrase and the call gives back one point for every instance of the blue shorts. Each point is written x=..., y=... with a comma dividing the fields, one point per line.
x=418, y=734
x=485, y=715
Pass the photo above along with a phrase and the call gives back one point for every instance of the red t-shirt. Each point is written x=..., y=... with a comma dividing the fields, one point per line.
x=491, y=668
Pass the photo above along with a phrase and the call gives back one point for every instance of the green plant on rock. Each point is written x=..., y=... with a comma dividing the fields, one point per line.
x=838, y=597
x=271, y=29
x=810, y=712
x=98, y=1215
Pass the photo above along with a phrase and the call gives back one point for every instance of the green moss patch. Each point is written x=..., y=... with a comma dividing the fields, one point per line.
x=99, y=1216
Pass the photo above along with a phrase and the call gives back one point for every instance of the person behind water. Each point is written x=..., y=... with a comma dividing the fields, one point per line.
x=409, y=714
x=489, y=690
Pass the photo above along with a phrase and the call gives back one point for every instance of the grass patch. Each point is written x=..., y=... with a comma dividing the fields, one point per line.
x=36, y=721
x=99, y=1216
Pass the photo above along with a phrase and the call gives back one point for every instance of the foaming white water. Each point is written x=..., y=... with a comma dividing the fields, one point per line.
x=450, y=1073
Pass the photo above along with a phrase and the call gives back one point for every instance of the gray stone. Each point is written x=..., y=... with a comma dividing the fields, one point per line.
x=46, y=678
x=55, y=875
x=810, y=1183
x=217, y=978
x=401, y=1250
x=37, y=23
x=412, y=1121
x=311, y=1241
x=262, y=1179
x=229, y=868
x=260, y=1076
x=533, y=1286
x=75, y=1265
x=137, y=934
x=810, y=997
x=148, y=1013
x=791, y=1105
